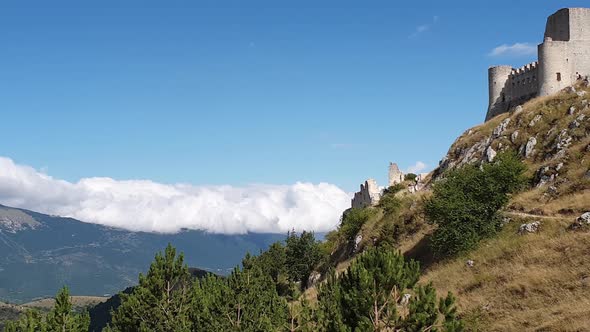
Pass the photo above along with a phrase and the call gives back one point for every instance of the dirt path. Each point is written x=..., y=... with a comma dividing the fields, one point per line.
x=528, y=215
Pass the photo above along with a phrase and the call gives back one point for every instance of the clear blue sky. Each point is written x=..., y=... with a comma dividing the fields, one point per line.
x=238, y=92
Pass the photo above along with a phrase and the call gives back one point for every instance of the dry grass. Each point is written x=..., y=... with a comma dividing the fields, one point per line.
x=535, y=282
x=77, y=302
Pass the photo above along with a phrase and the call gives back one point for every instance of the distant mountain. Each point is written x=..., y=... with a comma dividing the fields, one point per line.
x=41, y=253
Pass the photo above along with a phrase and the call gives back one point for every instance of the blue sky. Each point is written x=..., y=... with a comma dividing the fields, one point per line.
x=240, y=92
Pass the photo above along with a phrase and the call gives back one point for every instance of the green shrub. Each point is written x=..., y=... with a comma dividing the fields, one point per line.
x=390, y=204
x=352, y=222
x=410, y=177
x=367, y=295
x=465, y=203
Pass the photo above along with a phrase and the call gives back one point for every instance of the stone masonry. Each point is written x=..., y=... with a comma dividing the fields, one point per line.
x=564, y=57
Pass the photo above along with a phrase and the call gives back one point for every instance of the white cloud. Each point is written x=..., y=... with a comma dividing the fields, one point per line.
x=516, y=49
x=424, y=27
x=142, y=205
x=417, y=167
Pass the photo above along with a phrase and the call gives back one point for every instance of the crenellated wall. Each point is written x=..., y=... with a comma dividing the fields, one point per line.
x=511, y=86
x=564, y=57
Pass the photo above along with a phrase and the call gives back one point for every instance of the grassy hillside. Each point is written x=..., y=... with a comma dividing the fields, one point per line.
x=532, y=282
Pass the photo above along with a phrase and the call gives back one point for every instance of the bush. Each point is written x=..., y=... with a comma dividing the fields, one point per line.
x=465, y=204
x=410, y=177
x=390, y=204
x=367, y=295
x=353, y=221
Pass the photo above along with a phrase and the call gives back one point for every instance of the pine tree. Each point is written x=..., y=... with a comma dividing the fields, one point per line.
x=63, y=319
x=31, y=321
x=162, y=299
x=246, y=300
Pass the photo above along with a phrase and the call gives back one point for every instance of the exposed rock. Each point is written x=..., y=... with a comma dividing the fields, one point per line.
x=562, y=142
x=470, y=263
x=499, y=130
x=314, y=277
x=514, y=136
x=581, y=117
x=490, y=154
x=570, y=89
x=574, y=124
x=535, y=120
x=532, y=227
x=405, y=299
x=357, y=241
x=530, y=147
x=571, y=110
x=581, y=93
x=518, y=109
x=544, y=174
x=581, y=221
x=559, y=167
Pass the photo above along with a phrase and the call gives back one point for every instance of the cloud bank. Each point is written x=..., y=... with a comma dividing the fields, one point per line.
x=516, y=49
x=142, y=205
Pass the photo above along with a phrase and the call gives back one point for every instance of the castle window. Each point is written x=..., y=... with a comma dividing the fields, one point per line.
x=558, y=77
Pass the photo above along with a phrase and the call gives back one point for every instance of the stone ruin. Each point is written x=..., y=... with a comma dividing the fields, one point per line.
x=370, y=193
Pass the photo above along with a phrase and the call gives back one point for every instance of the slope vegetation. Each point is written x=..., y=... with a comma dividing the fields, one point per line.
x=513, y=281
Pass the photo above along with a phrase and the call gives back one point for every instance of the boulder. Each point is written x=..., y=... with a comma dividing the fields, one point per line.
x=514, y=136
x=490, y=154
x=314, y=277
x=499, y=130
x=571, y=110
x=532, y=227
x=530, y=147
x=581, y=221
x=535, y=120
x=470, y=263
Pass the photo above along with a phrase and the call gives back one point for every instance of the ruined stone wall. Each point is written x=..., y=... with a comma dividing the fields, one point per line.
x=369, y=195
x=395, y=175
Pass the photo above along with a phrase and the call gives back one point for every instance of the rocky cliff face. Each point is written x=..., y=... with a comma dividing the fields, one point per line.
x=552, y=134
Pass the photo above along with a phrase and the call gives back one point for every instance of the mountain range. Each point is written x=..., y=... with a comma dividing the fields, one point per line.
x=41, y=253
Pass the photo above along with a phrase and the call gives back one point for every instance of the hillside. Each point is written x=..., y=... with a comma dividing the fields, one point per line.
x=41, y=253
x=536, y=282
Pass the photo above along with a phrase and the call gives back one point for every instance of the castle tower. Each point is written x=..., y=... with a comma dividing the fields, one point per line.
x=564, y=55
x=564, y=58
x=499, y=95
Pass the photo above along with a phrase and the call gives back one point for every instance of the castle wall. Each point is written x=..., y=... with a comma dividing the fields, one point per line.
x=395, y=175
x=579, y=23
x=368, y=195
x=497, y=82
x=509, y=87
x=555, y=67
x=564, y=57
x=557, y=27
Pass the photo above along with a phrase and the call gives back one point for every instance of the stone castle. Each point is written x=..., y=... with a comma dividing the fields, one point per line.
x=564, y=57
x=370, y=193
